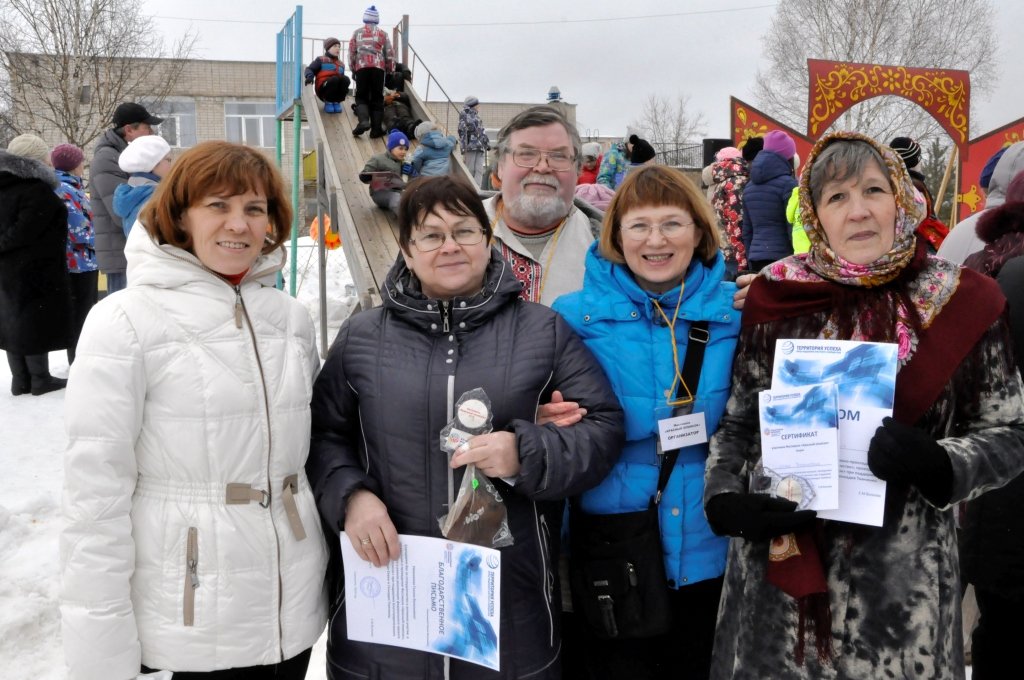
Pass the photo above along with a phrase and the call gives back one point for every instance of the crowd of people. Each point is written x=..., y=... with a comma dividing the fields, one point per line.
x=215, y=465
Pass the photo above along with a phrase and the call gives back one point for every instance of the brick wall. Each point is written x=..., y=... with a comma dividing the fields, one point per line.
x=207, y=83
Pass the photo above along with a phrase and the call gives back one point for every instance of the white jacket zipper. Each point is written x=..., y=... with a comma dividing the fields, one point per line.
x=191, y=576
x=240, y=311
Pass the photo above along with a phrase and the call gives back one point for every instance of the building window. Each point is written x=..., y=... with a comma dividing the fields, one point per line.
x=288, y=135
x=251, y=123
x=179, y=126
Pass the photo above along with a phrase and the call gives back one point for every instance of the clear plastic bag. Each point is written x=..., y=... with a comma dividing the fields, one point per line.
x=478, y=515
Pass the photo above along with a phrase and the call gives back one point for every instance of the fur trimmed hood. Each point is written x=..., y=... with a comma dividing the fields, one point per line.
x=26, y=168
x=1005, y=219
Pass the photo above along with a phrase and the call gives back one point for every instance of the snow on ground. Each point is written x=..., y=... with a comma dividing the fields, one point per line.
x=32, y=443
x=31, y=449
x=340, y=289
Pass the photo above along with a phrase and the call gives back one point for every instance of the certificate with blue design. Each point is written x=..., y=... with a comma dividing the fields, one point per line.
x=865, y=375
x=439, y=596
x=800, y=440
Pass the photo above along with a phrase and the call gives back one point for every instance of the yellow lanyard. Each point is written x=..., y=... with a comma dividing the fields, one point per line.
x=551, y=247
x=670, y=399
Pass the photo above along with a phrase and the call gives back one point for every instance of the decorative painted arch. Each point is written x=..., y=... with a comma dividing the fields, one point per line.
x=835, y=86
x=980, y=149
x=749, y=121
x=944, y=93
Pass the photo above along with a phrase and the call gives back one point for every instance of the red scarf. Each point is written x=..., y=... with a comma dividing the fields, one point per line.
x=235, y=279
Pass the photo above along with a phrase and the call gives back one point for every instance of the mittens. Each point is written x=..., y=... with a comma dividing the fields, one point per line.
x=755, y=517
x=905, y=454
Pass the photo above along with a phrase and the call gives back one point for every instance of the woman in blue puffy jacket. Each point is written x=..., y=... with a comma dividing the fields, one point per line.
x=655, y=270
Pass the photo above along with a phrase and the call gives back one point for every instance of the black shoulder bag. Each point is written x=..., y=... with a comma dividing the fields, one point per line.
x=616, y=562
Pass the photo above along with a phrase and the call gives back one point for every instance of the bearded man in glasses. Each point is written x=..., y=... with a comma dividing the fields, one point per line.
x=537, y=226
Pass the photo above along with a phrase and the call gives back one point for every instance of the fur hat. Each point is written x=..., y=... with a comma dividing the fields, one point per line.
x=371, y=15
x=30, y=146
x=396, y=138
x=908, y=150
x=66, y=157
x=422, y=129
x=753, y=147
x=779, y=142
x=990, y=167
x=1006, y=218
x=471, y=101
x=727, y=153
x=143, y=153
x=1015, y=192
x=329, y=43
x=591, y=149
x=642, y=150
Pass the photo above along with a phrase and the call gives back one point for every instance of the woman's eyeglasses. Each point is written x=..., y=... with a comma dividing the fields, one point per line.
x=466, y=236
x=641, y=231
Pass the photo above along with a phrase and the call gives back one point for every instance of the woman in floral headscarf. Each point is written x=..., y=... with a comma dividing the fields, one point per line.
x=861, y=601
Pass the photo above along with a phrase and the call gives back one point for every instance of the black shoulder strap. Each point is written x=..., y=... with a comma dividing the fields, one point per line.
x=698, y=342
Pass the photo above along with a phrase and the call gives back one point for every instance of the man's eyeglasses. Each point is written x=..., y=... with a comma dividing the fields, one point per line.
x=641, y=231
x=559, y=161
x=465, y=236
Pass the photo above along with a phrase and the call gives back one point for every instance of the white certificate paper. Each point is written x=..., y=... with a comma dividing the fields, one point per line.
x=440, y=596
x=865, y=375
x=800, y=437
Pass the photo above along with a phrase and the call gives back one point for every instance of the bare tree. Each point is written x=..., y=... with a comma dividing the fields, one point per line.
x=67, y=64
x=668, y=124
x=954, y=34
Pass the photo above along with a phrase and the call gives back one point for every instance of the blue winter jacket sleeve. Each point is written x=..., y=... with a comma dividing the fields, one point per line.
x=416, y=160
x=312, y=70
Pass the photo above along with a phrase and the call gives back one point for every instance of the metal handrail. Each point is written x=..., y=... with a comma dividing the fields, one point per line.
x=416, y=58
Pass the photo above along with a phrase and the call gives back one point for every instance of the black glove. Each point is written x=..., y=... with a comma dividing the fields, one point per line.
x=309, y=81
x=904, y=454
x=755, y=516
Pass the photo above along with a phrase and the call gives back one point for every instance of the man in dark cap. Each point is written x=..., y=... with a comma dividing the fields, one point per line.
x=130, y=121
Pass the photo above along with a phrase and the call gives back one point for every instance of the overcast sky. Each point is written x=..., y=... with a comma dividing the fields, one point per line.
x=601, y=60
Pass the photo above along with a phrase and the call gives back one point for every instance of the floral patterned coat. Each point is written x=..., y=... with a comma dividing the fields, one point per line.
x=894, y=591
x=729, y=177
x=81, y=253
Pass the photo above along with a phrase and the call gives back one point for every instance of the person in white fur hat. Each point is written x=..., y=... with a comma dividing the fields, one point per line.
x=146, y=160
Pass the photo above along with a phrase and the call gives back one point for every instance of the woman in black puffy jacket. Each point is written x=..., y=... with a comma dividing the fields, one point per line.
x=451, y=321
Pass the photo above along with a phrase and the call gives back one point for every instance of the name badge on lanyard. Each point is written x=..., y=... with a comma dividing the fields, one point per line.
x=680, y=431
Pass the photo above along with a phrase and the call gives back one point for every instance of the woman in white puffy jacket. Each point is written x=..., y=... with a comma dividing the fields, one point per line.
x=192, y=543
